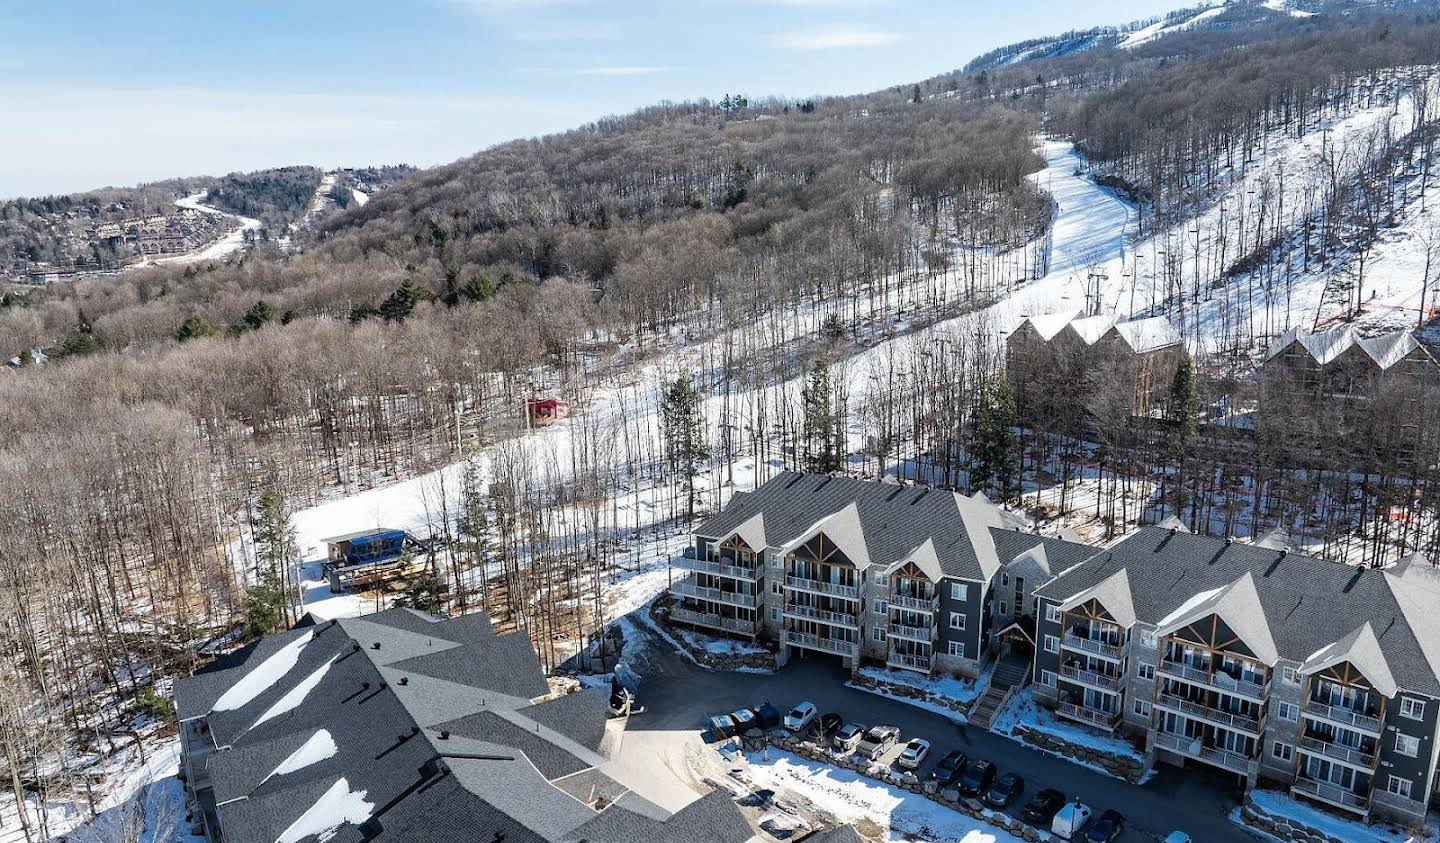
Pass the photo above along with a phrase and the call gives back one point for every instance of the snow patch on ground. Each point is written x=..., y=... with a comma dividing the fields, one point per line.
x=1022, y=710
x=338, y=806
x=1336, y=827
x=264, y=676
x=717, y=646
x=849, y=797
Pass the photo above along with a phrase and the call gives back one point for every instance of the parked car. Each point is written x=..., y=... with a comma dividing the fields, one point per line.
x=801, y=716
x=1070, y=820
x=913, y=755
x=977, y=778
x=1005, y=790
x=1106, y=828
x=767, y=716
x=949, y=768
x=877, y=740
x=1177, y=837
x=848, y=737
x=1042, y=807
x=830, y=724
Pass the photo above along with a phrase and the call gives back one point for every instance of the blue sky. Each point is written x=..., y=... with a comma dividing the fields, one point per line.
x=102, y=92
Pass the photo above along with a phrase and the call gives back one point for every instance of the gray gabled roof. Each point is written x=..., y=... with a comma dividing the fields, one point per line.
x=1238, y=605
x=431, y=736
x=1308, y=603
x=875, y=524
x=1362, y=651
x=1112, y=593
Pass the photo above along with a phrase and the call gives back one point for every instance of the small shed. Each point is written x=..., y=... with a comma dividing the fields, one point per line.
x=543, y=412
x=372, y=557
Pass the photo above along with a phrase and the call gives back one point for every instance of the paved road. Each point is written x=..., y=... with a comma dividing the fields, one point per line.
x=678, y=695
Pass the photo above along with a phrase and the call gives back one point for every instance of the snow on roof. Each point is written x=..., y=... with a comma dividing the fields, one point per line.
x=1092, y=328
x=752, y=532
x=1148, y=334
x=1389, y=349
x=1325, y=346
x=337, y=806
x=1113, y=593
x=1362, y=651
x=1047, y=325
x=1238, y=605
x=265, y=675
x=316, y=748
x=296, y=695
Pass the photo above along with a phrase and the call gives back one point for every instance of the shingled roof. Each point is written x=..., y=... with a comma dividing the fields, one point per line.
x=875, y=524
x=1287, y=605
x=403, y=727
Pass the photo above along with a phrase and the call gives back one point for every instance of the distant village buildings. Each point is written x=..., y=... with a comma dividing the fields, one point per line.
x=1088, y=354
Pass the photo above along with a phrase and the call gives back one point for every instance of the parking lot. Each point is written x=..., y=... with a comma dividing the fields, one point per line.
x=679, y=696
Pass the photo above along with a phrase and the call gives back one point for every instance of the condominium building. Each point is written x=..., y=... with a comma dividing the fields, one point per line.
x=1260, y=662
x=894, y=574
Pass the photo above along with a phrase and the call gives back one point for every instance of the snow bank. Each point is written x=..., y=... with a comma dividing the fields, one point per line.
x=1335, y=827
x=264, y=676
x=339, y=805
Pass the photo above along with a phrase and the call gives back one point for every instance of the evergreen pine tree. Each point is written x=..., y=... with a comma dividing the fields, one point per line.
x=683, y=423
x=398, y=306
x=994, y=445
x=821, y=423
x=1180, y=413
x=194, y=328
x=259, y=314
x=275, y=554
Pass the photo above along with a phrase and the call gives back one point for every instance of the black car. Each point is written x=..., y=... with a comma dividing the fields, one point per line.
x=830, y=724
x=1043, y=807
x=1107, y=828
x=767, y=716
x=977, y=778
x=1005, y=790
x=949, y=768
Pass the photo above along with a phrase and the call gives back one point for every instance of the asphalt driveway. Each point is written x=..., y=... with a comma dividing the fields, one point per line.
x=678, y=696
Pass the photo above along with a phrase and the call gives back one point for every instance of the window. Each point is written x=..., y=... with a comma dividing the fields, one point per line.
x=1052, y=613
x=957, y=621
x=882, y=581
x=957, y=648
x=1147, y=637
x=1004, y=610
x=959, y=591
x=1398, y=786
x=774, y=614
x=1407, y=745
x=1288, y=711
x=879, y=633
x=1290, y=675
x=1142, y=708
x=1412, y=708
x=1047, y=677
x=1283, y=751
x=776, y=561
x=1005, y=579
x=776, y=588
x=1052, y=644
x=1147, y=670
x=879, y=607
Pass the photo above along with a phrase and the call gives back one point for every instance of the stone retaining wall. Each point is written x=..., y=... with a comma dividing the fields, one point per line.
x=1126, y=767
x=898, y=689
x=714, y=661
x=949, y=797
x=1283, y=828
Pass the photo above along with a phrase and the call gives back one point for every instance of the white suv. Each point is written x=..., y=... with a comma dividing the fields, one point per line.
x=800, y=717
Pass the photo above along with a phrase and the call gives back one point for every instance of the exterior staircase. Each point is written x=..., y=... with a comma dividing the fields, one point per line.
x=1008, y=676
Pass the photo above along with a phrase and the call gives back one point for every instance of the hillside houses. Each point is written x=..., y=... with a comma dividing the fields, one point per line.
x=1338, y=363
x=1096, y=358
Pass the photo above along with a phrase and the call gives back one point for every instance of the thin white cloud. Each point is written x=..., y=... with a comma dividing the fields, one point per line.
x=621, y=70
x=838, y=37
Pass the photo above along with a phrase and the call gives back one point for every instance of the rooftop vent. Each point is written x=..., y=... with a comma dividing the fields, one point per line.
x=404, y=680
x=444, y=734
x=375, y=646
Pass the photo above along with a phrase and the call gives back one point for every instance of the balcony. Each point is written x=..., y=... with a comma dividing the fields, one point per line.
x=923, y=634
x=1218, y=681
x=900, y=660
x=1343, y=716
x=826, y=645
x=915, y=604
x=810, y=613
x=719, y=569
x=1332, y=794
x=1091, y=646
x=1194, y=710
x=688, y=588
x=1196, y=748
x=817, y=587
x=1338, y=752
x=713, y=621
x=1104, y=720
x=1091, y=679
